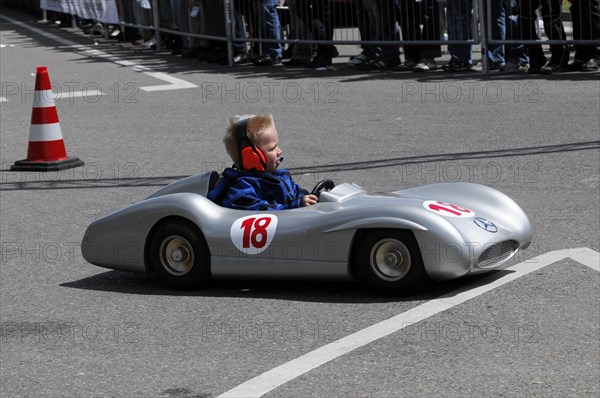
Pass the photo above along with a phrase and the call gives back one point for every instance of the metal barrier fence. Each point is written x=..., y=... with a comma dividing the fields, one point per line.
x=419, y=26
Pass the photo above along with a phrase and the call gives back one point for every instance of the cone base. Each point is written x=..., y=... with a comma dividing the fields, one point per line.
x=28, y=165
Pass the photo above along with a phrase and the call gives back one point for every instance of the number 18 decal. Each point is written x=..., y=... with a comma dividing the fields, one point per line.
x=253, y=234
x=447, y=209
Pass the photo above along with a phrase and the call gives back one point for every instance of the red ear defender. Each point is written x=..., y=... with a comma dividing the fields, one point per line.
x=253, y=159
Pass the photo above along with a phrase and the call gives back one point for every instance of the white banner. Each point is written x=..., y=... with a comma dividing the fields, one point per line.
x=99, y=10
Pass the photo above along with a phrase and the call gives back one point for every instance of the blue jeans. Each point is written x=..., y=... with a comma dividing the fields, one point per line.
x=270, y=28
x=505, y=26
x=460, y=27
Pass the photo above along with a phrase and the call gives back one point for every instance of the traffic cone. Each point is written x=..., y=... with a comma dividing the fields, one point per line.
x=46, y=150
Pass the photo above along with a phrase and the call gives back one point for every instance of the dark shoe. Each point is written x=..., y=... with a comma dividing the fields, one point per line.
x=334, y=52
x=137, y=41
x=457, y=66
x=536, y=65
x=550, y=68
x=288, y=52
x=296, y=62
x=500, y=66
x=267, y=60
x=172, y=43
x=590, y=66
x=95, y=30
x=241, y=59
x=512, y=66
x=319, y=62
x=577, y=65
x=383, y=64
x=425, y=65
x=364, y=65
x=406, y=66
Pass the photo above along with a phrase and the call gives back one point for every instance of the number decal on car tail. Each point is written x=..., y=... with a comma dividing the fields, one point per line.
x=253, y=234
x=447, y=209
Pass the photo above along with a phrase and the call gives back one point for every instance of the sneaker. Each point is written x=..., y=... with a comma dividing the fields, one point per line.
x=115, y=33
x=359, y=59
x=406, y=66
x=150, y=43
x=425, y=65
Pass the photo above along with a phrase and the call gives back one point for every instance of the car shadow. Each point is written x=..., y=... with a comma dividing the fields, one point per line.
x=305, y=291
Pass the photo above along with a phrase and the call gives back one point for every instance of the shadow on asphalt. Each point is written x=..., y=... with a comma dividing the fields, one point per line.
x=307, y=291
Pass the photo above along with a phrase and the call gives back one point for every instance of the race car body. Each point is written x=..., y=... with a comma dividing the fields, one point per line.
x=440, y=231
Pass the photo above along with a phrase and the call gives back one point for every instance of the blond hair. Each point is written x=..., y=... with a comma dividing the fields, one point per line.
x=256, y=126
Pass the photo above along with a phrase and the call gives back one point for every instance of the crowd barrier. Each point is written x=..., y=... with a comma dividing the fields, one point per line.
x=350, y=22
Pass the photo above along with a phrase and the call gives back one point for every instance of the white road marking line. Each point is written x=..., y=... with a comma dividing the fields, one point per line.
x=588, y=257
x=174, y=82
x=270, y=380
x=87, y=93
x=3, y=99
x=67, y=95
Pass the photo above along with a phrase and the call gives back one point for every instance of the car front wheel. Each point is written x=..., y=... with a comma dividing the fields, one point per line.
x=179, y=255
x=389, y=262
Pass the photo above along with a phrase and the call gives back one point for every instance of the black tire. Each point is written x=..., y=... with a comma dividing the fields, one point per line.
x=179, y=255
x=389, y=262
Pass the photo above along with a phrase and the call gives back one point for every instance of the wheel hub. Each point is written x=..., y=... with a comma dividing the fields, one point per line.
x=390, y=260
x=176, y=255
x=393, y=258
x=180, y=254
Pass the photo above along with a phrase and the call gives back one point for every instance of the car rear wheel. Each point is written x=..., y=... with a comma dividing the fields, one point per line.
x=179, y=255
x=389, y=262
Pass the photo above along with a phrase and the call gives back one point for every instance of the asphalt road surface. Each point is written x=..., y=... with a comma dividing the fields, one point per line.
x=141, y=120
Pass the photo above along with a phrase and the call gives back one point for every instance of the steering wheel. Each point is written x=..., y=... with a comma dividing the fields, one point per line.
x=323, y=184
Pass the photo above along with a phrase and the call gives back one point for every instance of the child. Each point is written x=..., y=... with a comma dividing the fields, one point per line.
x=254, y=183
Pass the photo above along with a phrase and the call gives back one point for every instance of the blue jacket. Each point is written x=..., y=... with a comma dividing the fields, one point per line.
x=253, y=190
